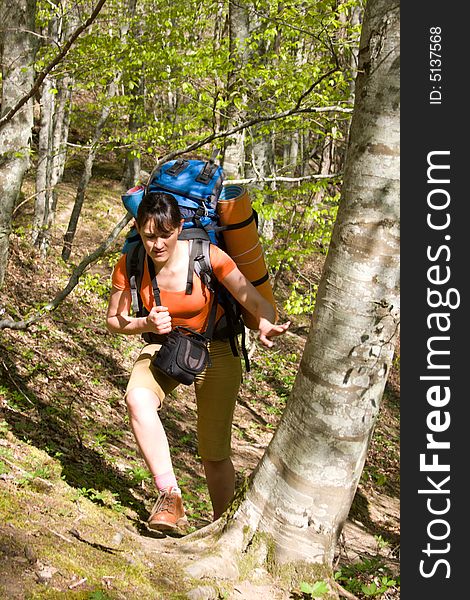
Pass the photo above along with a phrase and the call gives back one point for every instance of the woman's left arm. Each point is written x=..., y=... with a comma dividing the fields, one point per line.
x=249, y=297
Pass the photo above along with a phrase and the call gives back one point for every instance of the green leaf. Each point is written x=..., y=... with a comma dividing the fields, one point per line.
x=369, y=590
x=238, y=102
x=317, y=589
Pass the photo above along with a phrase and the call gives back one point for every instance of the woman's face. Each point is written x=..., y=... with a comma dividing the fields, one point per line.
x=159, y=245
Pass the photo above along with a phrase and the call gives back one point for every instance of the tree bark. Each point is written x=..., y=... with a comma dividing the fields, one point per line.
x=33, y=90
x=18, y=53
x=326, y=161
x=301, y=492
x=132, y=164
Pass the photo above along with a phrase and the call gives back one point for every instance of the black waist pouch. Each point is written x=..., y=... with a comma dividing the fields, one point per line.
x=183, y=355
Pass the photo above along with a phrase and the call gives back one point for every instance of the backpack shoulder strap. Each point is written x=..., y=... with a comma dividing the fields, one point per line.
x=135, y=257
x=200, y=263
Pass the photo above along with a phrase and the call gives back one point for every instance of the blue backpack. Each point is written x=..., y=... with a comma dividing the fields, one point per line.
x=197, y=186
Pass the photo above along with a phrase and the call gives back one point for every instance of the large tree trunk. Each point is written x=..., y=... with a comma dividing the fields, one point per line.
x=18, y=52
x=302, y=490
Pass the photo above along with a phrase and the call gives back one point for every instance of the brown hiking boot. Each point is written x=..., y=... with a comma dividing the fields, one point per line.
x=168, y=512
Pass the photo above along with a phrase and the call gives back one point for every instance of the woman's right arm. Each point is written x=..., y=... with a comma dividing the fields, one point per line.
x=119, y=320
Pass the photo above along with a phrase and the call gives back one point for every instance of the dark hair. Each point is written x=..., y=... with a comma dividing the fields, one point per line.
x=162, y=208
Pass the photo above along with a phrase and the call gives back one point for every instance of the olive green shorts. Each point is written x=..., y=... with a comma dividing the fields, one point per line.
x=216, y=391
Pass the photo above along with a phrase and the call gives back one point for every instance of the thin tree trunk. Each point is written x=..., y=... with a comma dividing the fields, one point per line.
x=60, y=132
x=239, y=30
x=294, y=151
x=18, y=53
x=351, y=18
x=132, y=166
x=261, y=165
x=293, y=156
x=61, y=128
x=259, y=152
x=325, y=163
x=217, y=37
x=63, y=113
x=55, y=117
x=44, y=166
x=86, y=175
x=302, y=490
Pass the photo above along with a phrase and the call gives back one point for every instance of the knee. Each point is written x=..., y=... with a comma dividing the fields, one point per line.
x=216, y=466
x=141, y=399
x=132, y=401
x=214, y=463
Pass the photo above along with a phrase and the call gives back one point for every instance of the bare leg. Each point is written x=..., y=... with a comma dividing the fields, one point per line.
x=220, y=477
x=148, y=430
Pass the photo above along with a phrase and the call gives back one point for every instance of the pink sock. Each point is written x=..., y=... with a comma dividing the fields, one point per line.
x=166, y=481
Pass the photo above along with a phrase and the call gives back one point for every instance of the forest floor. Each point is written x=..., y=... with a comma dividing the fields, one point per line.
x=75, y=493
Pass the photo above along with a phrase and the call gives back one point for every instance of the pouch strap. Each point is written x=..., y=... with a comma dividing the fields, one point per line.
x=156, y=294
x=189, y=276
x=134, y=267
x=153, y=278
x=211, y=323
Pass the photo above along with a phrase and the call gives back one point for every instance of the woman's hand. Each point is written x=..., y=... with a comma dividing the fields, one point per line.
x=267, y=330
x=159, y=320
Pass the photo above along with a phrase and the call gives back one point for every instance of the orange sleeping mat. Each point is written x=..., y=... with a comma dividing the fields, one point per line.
x=242, y=242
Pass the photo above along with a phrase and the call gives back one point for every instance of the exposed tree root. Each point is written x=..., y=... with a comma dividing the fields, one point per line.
x=221, y=555
x=342, y=592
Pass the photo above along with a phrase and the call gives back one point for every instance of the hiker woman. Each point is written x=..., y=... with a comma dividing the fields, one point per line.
x=159, y=223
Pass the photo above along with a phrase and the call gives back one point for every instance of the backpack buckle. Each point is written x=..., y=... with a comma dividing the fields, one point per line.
x=179, y=165
x=207, y=172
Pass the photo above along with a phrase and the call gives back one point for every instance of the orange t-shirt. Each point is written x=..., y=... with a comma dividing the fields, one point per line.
x=188, y=310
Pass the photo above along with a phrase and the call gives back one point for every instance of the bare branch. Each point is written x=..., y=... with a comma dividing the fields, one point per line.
x=45, y=72
x=296, y=110
x=281, y=178
x=7, y=371
x=73, y=281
